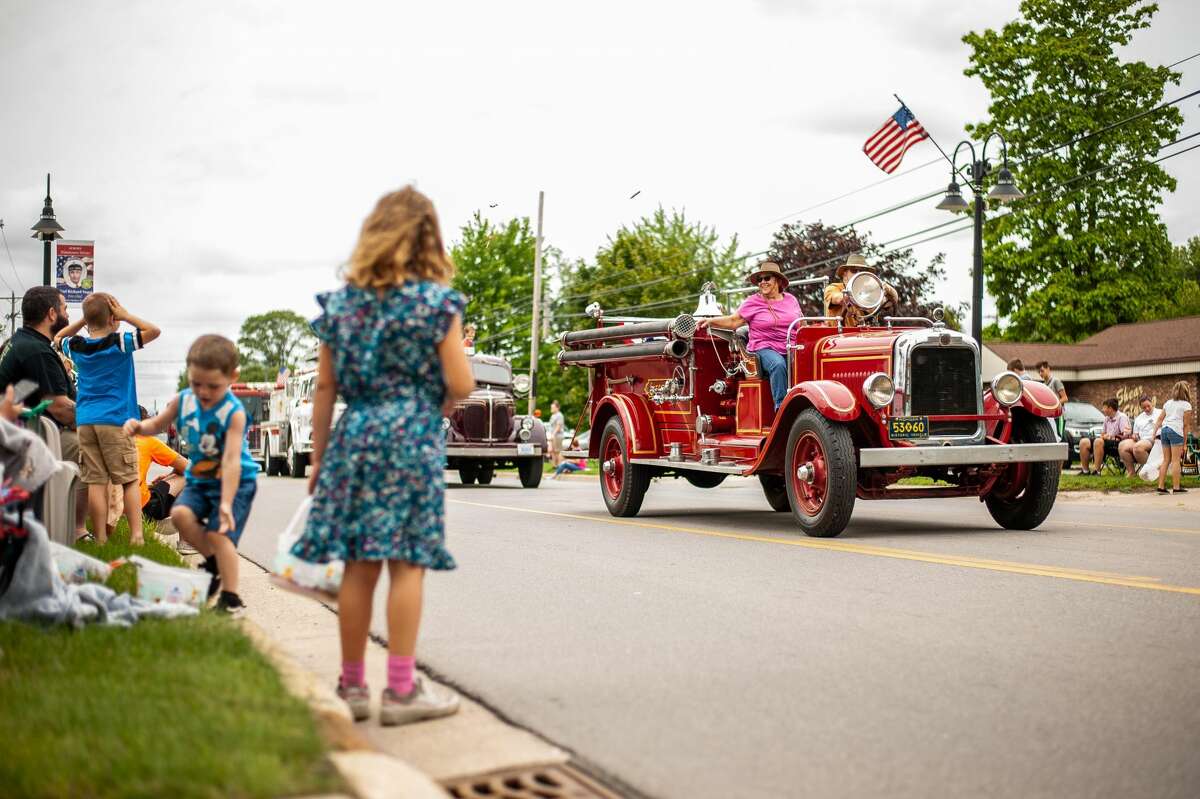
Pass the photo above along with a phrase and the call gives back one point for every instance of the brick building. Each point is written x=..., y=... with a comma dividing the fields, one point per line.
x=1123, y=361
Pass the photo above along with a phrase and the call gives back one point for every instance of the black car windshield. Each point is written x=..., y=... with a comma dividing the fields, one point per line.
x=1082, y=413
x=491, y=373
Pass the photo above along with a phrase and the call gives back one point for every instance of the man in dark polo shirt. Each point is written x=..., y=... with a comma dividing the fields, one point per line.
x=31, y=356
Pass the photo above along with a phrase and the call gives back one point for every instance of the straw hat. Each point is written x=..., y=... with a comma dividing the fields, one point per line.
x=768, y=268
x=853, y=262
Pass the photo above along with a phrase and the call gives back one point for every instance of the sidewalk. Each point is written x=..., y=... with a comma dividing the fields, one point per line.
x=301, y=634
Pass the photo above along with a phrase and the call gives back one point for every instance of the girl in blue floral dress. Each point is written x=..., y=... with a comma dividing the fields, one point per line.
x=391, y=346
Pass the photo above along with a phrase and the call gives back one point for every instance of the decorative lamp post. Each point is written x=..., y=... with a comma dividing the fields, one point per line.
x=47, y=230
x=1004, y=191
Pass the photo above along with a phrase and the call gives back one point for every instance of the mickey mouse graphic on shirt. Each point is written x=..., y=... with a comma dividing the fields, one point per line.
x=209, y=467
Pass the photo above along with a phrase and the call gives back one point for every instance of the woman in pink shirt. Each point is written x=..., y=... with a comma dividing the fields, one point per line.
x=769, y=313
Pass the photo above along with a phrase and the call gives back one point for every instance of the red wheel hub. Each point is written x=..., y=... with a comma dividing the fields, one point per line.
x=810, y=475
x=612, y=467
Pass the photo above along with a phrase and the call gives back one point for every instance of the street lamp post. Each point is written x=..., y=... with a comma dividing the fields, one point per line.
x=47, y=230
x=1004, y=191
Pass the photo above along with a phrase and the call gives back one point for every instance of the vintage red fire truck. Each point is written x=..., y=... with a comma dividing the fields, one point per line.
x=867, y=407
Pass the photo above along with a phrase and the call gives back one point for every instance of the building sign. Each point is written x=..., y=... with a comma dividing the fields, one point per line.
x=74, y=269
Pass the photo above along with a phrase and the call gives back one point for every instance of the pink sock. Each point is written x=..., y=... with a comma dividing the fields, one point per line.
x=400, y=673
x=353, y=673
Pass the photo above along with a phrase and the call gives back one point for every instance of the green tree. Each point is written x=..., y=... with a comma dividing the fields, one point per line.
x=656, y=267
x=271, y=340
x=1073, y=259
x=1182, y=286
x=494, y=269
x=815, y=250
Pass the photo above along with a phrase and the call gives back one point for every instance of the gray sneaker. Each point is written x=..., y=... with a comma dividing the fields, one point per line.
x=425, y=701
x=357, y=698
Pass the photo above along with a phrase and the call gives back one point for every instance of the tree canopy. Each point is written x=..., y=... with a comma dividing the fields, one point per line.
x=271, y=340
x=815, y=250
x=1085, y=249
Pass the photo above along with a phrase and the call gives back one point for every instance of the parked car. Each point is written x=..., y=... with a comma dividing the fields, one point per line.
x=484, y=432
x=1080, y=420
x=581, y=443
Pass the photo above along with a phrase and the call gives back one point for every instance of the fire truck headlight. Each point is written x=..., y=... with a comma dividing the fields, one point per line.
x=865, y=291
x=527, y=423
x=879, y=390
x=521, y=384
x=524, y=435
x=1006, y=388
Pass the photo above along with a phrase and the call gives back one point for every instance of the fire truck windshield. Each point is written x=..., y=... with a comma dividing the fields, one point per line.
x=255, y=408
x=491, y=373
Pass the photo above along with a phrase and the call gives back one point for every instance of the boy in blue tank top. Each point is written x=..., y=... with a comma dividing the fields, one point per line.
x=211, y=511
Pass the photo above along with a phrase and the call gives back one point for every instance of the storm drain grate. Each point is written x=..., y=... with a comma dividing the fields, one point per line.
x=538, y=782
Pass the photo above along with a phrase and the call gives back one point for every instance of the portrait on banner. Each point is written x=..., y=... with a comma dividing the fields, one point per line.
x=74, y=269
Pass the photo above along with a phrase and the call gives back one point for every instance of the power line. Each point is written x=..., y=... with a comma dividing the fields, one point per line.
x=10, y=260
x=916, y=168
x=527, y=304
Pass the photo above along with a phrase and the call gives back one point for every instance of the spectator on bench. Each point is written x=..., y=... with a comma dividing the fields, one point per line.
x=1116, y=430
x=1136, y=450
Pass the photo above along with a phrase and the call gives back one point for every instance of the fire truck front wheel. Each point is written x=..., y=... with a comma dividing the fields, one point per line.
x=820, y=474
x=622, y=483
x=1025, y=493
x=468, y=471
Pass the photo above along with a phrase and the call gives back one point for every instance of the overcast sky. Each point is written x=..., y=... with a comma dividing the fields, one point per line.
x=223, y=155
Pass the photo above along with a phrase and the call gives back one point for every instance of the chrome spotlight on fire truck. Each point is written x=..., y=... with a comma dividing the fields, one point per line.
x=865, y=290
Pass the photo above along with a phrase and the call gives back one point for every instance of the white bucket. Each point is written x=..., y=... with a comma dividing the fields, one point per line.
x=159, y=583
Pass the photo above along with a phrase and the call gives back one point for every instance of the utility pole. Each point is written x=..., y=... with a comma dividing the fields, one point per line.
x=535, y=330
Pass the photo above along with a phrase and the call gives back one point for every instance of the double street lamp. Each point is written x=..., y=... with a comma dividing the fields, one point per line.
x=47, y=230
x=1005, y=190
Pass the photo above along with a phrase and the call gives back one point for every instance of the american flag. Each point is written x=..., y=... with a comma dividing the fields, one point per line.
x=886, y=147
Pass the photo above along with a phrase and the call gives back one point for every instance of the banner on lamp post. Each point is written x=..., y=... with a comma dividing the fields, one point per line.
x=74, y=269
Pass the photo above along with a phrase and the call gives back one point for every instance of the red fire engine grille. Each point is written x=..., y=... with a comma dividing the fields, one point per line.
x=541, y=782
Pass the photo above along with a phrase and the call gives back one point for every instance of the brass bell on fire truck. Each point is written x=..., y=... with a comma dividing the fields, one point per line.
x=708, y=306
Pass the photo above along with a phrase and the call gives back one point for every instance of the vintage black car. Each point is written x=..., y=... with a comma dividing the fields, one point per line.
x=485, y=432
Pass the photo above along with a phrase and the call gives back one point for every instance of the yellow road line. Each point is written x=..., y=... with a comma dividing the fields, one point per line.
x=1109, y=524
x=1063, y=573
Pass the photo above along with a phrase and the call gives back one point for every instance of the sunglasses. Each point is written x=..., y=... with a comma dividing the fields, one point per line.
x=766, y=278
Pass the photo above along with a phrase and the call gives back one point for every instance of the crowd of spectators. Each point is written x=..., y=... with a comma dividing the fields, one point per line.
x=85, y=385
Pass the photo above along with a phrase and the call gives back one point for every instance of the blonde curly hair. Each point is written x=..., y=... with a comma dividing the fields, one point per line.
x=400, y=240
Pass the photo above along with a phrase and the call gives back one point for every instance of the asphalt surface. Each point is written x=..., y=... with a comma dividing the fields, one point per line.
x=705, y=649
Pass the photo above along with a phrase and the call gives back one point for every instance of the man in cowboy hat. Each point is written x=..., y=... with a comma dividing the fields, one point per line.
x=768, y=313
x=836, y=301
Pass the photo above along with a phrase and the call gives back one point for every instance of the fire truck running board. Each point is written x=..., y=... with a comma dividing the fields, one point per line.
x=693, y=466
x=961, y=456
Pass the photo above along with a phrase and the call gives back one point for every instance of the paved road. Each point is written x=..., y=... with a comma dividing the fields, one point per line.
x=704, y=649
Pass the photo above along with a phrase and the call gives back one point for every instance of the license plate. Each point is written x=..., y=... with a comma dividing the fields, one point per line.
x=524, y=449
x=908, y=427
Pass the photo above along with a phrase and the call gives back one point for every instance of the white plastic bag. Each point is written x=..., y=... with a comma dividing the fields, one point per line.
x=168, y=584
x=1149, y=470
x=319, y=579
x=75, y=567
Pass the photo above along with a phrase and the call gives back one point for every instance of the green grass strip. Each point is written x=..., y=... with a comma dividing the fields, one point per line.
x=184, y=708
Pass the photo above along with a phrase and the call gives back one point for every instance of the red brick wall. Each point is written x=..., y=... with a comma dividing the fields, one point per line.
x=1128, y=391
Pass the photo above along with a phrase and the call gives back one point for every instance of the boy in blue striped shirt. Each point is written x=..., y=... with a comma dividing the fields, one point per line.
x=107, y=396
